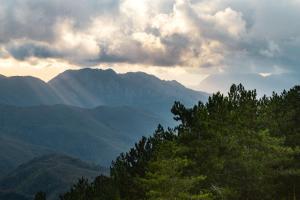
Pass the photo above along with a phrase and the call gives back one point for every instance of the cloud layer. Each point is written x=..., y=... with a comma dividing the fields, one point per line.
x=213, y=36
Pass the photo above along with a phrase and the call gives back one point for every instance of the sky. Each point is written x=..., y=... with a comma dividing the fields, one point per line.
x=203, y=44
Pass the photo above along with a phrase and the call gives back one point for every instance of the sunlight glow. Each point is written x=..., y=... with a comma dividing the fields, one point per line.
x=265, y=74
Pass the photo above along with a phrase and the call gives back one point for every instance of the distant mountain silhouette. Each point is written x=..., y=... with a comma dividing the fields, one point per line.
x=94, y=87
x=26, y=91
x=264, y=85
x=53, y=174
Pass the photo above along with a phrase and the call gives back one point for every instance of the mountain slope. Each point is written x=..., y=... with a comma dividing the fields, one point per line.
x=96, y=135
x=26, y=91
x=53, y=174
x=93, y=87
x=14, y=153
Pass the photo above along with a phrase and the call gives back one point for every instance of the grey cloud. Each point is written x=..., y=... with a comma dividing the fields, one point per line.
x=271, y=22
x=24, y=51
x=31, y=19
x=107, y=57
x=175, y=44
x=265, y=22
x=133, y=52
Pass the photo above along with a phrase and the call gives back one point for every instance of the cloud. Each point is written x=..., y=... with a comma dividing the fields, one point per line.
x=271, y=50
x=27, y=50
x=210, y=35
x=36, y=20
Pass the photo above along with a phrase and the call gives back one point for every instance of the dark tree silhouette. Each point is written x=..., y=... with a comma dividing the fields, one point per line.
x=40, y=196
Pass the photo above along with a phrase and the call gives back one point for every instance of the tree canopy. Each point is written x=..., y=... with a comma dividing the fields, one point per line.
x=233, y=147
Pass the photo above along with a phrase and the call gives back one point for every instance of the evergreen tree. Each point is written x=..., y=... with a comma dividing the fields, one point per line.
x=102, y=188
x=40, y=196
x=130, y=166
x=168, y=177
x=234, y=147
x=225, y=139
x=82, y=190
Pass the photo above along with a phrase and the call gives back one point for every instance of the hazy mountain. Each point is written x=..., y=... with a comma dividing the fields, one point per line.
x=53, y=174
x=97, y=135
x=264, y=85
x=26, y=91
x=90, y=88
x=93, y=87
x=14, y=153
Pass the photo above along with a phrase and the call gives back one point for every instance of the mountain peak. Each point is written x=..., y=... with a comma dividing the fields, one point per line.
x=2, y=76
x=89, y=71
x=90, y=87
x=21, y=78
x=94, y=87
x=53, y=159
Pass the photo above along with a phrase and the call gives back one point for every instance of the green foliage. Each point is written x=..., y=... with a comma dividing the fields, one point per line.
x=102, y=188
x=130, y=166
x=238, y=156
x=40, y=196
x=234, y=147
x=281, y=115
x=167, y=177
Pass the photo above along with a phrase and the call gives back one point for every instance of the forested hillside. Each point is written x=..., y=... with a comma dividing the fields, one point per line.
x=234, y=147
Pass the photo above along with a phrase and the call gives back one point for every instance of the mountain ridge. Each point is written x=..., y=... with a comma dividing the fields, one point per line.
x=30, y=91
x=97, y=134
x=93, y=87
x=52, y=173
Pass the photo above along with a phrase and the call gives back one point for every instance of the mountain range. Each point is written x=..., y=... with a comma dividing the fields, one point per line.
x=88, y=114
x=26, y=91
x=90, y=88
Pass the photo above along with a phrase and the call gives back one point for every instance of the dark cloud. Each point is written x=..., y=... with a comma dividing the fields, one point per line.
x=36, y=20
x=133, y=52
x=175, y=44
x=25, y=51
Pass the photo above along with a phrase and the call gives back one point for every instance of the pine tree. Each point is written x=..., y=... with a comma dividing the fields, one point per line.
x=234, y=147
x=167, y=177
x=40, y=196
